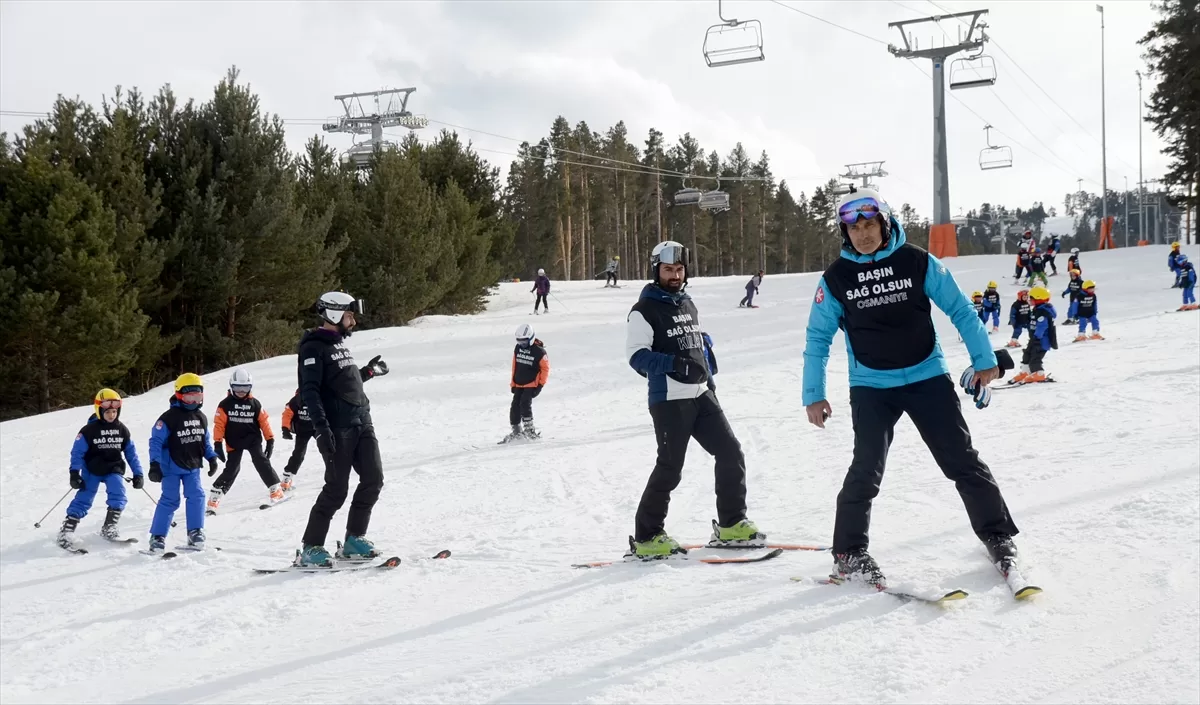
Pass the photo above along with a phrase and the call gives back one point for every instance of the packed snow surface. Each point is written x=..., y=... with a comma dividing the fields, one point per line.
x=1101, y=472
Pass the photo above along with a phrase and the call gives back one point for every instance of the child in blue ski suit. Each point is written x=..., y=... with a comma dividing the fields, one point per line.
x=1187, y=281
x=991, y=306
x=977, y=299
x=1073, y=288
x=1019, y=317
x=1088, y=310
x=1173, y=264
x=1043, y=337
x=179, y=443
x=98, y=456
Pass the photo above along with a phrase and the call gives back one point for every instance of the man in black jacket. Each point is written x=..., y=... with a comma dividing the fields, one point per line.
x=331, y=387
x=665, y=344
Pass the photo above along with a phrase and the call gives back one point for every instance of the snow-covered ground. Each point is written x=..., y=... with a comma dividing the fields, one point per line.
x=1101, y=471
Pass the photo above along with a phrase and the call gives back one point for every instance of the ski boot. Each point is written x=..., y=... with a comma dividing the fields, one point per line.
x=357, y=548
x=858, y=566
x=513, y=435
x=158, y=544
x=313, y=556
x=214, y=500
x=66, y=533
x=743, y=534
x=1095, y=336
x=529, y=431
x=196, y=539
x=656, y=548
x=1002, y=551
x=276, y=493
x=1014, y=343
x=109, y=530
x=285, y=483
x=1079, y=338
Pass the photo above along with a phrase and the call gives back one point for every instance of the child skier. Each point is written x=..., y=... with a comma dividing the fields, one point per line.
x=296, y=424
x=179, y=444
x=1043, y=337
x=1018, y=317
x=1073, y=260
x=96, y=458
x=1073, y=288
x=1173, y=264
x=1088, y=311
x=977, y=299
x=751, y=289
x=1052, y=251
x=1187, y=280
x=530, y=370
x=1037, y=267
x=991, y=305
x=1022, y=267
x=244, y=423
x=542, y=286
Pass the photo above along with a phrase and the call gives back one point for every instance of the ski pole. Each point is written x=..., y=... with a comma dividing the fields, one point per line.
x=560, y=303
x=38, y=524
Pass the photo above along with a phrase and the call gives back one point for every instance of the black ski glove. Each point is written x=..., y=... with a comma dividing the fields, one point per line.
x=212, y=467
x=139, y=481
x=375, y=368
x=270, y=447
x=326, y=446
x=155, y=471
x=219, y=447
x=76, y=480
x=287, y=433
x=688, y=371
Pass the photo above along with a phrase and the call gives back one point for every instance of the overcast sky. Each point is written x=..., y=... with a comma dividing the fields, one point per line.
x=823, y=98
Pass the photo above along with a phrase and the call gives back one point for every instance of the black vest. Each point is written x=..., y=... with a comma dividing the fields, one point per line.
x=1021, y=311
x=343, y=402
x=241, y=421
x=886, y=314
x=1038, y=314
x=1074, y=287
x=527, y=364
x=1087, y=305
x=106, y=446
x=1037, y=263
x=185, y=438
x=991, y=297
x=300, y=418
x=676, y=332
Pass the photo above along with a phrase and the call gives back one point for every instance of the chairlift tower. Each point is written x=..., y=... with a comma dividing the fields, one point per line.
x=865, y=171
x=390, y=110
x=973, y=41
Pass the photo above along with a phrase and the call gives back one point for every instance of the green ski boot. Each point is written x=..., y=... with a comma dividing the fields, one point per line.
x=743, y=534
x=357, y=548
x=658, y=547
x=314, y=556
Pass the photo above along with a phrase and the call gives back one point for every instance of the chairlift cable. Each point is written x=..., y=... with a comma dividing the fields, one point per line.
x=832, y=24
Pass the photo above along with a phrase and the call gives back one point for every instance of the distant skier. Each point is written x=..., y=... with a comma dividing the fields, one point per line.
x=1088, y=311
x=991, y=306
x=1018, y=317
x=179, y=445
x=243, y=423
x=977, y=301
x=1073, y=260
x=610, y=272
x=897, y=367
x=1173, y=263
x=1074, y=288
x=751, y=289
x=331, y=387
x=1043, y=337
x=1037, y=267
x=296, y=425
x=665, y=344
x=1052, y=252
x=1187, y=281
x=1022, y=268
x=530, y=372
x=98, y=457
x=542, y=286
x=1027, y=242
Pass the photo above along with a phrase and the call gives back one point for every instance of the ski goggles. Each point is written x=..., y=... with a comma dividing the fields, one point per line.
x=851, y=211
x=358, y=307
x=673, y=254
x=110, y=404
x=191, y=396
x=240, y=388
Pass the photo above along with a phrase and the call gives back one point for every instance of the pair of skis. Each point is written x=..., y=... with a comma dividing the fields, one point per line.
x=80, y=550
x=774, y=550
x=343, y=565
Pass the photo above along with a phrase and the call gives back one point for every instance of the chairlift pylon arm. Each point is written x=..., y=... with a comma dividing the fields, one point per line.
x=730, y=22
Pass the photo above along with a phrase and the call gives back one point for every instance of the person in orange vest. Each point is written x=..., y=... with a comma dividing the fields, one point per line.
x=530, y=371
x=242, y=423
x=296, y=425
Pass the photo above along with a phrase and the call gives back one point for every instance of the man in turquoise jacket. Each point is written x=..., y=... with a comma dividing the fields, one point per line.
x=879, y=293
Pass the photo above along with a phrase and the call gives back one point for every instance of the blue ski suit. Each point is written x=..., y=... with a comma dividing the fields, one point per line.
x=1173, y=265
x=101, y=439
x=173, y=474
x=991, y=305
x=1187, y=280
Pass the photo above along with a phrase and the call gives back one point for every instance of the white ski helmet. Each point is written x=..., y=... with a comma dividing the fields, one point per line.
x=541, y=272
x=669, y=252
x=524, y=334
x=241, y=381
x=1074, y=250
x=333, y=304
x=860, y=203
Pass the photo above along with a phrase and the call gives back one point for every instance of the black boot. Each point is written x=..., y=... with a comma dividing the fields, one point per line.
x=66, y=534
x=109, y=530
x=1001, y=550
x=858, y=565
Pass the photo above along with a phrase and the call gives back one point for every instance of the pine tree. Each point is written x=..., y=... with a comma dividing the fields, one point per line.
x=1172, y=55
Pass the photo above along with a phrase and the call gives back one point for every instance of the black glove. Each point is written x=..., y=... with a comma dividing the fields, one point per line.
x=270, y=447
x=1004, y=361
x=219, y=447
x=76, y=480
x=375, y=368
x=688, y=371
x=326, y=446
x=155, y=471
x=287, y=433
x=212, y=467
x=139, y=481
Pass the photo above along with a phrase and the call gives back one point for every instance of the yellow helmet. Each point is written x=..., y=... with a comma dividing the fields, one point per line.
x=618, y=257
x=1039, y=293
x=188, y=379
x=991, y=285
x=1175, y=244
x=1075, y=271
x=1089, y=284
x=977, y=295
x=106, y=399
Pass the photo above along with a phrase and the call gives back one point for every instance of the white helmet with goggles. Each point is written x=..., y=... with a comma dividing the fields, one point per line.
x=333, y=304
x=669, y=252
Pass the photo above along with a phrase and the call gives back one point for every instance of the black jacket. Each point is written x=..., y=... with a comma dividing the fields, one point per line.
x=331, y=385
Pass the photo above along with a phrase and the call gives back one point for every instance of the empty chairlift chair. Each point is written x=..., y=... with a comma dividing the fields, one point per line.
x=994, y=157
x=972, y=72
x=733, y=42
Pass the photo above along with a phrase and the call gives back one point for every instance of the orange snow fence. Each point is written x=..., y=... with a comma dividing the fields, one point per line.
x=943, y=240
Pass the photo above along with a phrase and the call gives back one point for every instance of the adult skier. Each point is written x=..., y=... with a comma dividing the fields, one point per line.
x=98, y=457
x=179, y=444
x=1052, y=251
x=298, y=426
x=610, y=272
x=751, y=289
x=530, y=372
x=242, y=423
x=331, y=387
x=1018, y=317
x=541, y=285
x=1073, y=260
x=880, y=293
x=665, y=344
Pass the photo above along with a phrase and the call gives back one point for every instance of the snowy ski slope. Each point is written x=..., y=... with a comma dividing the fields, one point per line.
x=1101, y=471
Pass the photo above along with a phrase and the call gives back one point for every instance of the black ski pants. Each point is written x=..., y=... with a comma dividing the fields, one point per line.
x=357, y=449
x=233, y=466
x=676, y=423
x=1050, y=262
x=299, y=450
x=541, y=300
x=1033, y=355
x=522, y=404
x=934, y=409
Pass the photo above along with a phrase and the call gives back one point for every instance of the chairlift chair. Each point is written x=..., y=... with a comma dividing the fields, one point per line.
x=733, y=42
x=992, y=156
x=972, y=72
x=687, y=197
x=715, y=201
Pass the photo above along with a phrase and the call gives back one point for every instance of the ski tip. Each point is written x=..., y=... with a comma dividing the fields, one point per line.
x=168, y=555
x=1027, y=592
x=954, y=595
x=390, y=562
x=444, y=553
